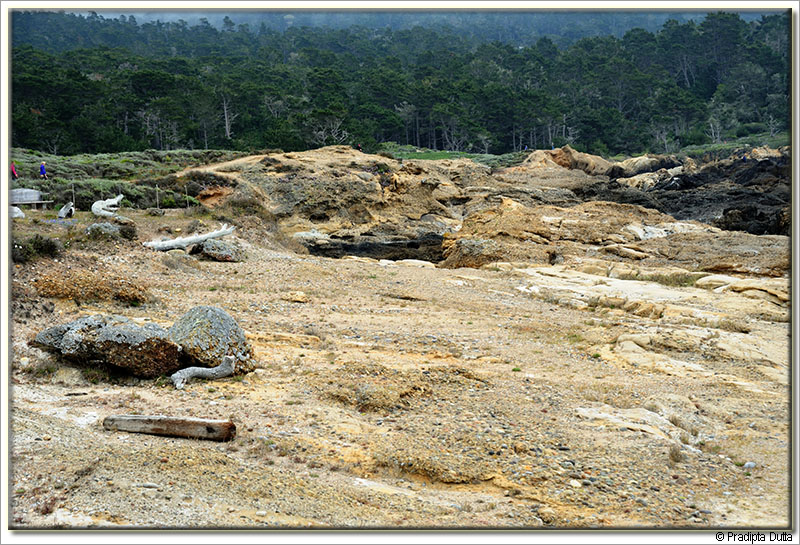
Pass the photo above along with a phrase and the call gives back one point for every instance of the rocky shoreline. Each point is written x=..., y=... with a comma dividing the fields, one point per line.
x=566, y=365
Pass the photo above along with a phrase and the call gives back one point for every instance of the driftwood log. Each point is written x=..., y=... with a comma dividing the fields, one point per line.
x=224, y=369
x=191, y=428
x=183, y=242
x=107, y=208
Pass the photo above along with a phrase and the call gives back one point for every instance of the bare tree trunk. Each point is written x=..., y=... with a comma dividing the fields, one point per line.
x=513, y=138
x=416, y=121
x=183, y=242
x=228, y=116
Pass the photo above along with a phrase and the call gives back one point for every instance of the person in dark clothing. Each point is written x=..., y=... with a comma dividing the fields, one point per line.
x=42, y=171
x=13, y=171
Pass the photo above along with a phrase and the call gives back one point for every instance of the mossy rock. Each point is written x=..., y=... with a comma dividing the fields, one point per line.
x=207, y=334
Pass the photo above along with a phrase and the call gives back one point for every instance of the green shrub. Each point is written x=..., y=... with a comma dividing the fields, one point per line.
x=35, y=246
x=128, y=232
x=751, y=128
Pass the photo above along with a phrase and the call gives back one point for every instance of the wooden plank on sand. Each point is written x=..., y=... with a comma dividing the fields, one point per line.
x=192, y=428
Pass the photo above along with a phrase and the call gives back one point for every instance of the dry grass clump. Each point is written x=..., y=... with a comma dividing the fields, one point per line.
x=371, y=387
x=85, y=286
x=676, y=455
x=430, y=458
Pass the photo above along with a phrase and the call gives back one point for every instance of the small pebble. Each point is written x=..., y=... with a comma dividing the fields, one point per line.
x=749, y=465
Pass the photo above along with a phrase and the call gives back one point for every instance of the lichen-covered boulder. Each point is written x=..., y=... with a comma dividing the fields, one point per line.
x=103, y=231
x=219, y=250
x=144, y=351
x=208, y=334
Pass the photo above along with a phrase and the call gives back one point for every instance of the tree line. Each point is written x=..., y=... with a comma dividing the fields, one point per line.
x=127, y=87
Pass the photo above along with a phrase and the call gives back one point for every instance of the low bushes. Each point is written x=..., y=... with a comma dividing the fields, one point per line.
x=86, y=286
x=26, y=250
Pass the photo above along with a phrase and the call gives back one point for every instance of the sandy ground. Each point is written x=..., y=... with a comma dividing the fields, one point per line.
x=397, y=395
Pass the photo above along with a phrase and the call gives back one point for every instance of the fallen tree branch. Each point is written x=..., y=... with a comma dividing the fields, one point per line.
x=183, y=242
x=224, y=369
x=191, y=428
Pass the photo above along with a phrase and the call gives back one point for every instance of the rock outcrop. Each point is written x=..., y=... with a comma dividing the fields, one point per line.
x=547, y=234
x=750, y=193
x=510, y=232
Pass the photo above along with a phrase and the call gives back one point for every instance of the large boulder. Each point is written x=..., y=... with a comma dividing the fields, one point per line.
x=143, y=351
x=103, y=231
x=219, y=250
x=207, y=334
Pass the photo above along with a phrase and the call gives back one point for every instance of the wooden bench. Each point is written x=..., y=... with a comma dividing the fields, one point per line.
x=30, y=197
x=33, y=203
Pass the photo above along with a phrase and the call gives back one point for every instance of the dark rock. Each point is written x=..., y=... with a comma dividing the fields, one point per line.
x=144, y=351
x=427, y=246
x=219, y=250
x=155, y=211
x=752, y=196
x=207, y=334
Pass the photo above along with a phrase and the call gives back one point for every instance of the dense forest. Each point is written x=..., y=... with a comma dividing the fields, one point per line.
x=95, y=84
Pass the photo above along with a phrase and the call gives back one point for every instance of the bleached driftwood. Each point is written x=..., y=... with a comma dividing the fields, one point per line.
x=224, y=369
x=183, y=242
x=192, y=428
x=67, y=211
x=107, y=208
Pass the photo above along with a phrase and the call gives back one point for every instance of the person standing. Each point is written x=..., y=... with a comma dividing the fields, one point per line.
x=43, y=171
x=14, y=175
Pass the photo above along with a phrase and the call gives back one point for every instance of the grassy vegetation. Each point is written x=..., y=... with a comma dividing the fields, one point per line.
x=25, y=250
x=708, y=152
x=84, y=179
x=704, y=152
x=397, y=151
x=115, y=166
